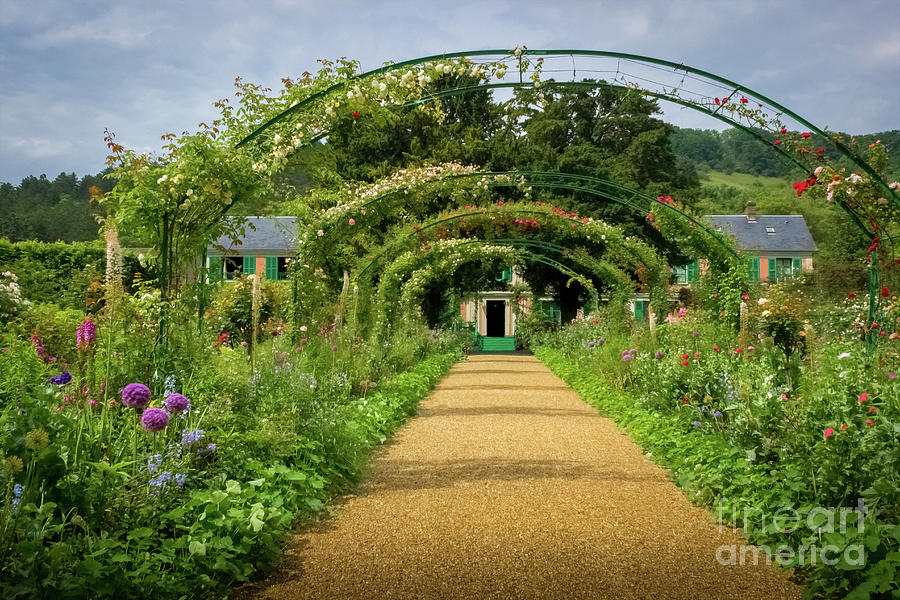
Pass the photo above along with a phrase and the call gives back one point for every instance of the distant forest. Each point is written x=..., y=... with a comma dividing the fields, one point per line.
x=61, y=209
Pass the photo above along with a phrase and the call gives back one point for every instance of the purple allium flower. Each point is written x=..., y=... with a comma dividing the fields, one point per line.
x=658, y=354
x=154, y=419
x=191, y=437
x=135, y=395
x=334, y=347
x=177, y=403
x=590, y=344
x=697, y=423
x=892, y=375
x=61, y=379
x=601, y=341
x=718, y=414
x=696, y=334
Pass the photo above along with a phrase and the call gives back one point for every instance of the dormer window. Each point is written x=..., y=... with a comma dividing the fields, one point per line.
x=770, y=230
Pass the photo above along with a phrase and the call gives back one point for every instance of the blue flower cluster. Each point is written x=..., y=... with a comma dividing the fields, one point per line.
x=18, y=490
x=167, y=477
x=189, y=437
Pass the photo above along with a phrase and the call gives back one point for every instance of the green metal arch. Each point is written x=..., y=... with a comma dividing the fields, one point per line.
x=631, y=198
x=376, y=257
x=677, y=67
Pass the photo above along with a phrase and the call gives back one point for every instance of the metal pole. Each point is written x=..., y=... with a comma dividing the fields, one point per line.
x=871, y=334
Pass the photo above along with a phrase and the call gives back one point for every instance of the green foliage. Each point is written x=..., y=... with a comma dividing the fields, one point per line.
x=231, y=309
x=62, y=273
x=49, y=211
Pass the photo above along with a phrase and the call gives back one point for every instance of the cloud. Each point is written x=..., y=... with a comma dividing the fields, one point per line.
x=69, y=69
x=38, y=147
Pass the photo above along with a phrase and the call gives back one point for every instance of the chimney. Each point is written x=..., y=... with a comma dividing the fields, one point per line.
x=751, y=212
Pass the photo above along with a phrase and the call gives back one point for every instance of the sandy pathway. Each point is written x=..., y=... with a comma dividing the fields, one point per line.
x=507, y=485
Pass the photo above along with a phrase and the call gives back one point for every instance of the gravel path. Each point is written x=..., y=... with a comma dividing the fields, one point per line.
x=507, y=485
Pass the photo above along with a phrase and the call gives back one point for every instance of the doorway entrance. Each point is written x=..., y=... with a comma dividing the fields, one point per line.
x=495, y=311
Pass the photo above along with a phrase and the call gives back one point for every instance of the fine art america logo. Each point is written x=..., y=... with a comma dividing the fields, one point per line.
x=819, y=521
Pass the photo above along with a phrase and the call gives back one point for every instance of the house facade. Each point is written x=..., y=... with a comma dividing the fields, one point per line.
x=266, y=248
x=779, y=246
x=493, y=314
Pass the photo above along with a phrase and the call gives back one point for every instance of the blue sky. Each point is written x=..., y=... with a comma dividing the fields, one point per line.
x=68, y=69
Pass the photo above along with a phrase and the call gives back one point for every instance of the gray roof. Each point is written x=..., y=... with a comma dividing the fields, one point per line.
x=275, y=234
x=791, y=233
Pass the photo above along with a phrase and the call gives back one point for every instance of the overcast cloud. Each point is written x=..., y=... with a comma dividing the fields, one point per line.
x=69, y=69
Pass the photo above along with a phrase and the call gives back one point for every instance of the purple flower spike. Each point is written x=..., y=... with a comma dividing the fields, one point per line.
x=154, y=419
x=177, y=403
x=135, y=395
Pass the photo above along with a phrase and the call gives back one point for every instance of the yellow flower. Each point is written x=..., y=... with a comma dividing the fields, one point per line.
x=13, y=465
x=37, y=439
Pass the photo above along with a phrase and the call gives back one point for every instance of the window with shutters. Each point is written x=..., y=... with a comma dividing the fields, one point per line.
x=787, y=267
x=234, y=266
x=687, y=274
x=505, y=275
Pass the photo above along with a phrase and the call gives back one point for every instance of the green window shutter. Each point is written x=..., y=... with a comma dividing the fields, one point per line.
x=249, y=265
x=639, y=308
x=754, y=269
x=505, y=275
x=216, y=264
x=693, y=271
x=773, y=268
x=272, y=267
x=796, y=266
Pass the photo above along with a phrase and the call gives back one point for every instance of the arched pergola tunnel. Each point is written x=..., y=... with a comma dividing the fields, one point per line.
x=379, y=205
x=403, y=280
x=591, y=241
x=307, y=117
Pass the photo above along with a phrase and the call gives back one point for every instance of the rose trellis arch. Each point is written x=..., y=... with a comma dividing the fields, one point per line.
x=302, y=115
x=403, y=282
x=592, y=249
x=406, y=194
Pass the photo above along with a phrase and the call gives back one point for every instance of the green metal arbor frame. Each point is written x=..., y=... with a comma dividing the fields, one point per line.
x=635, y=200
x=674, y=93
x=399, y=242
x=601, y=269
